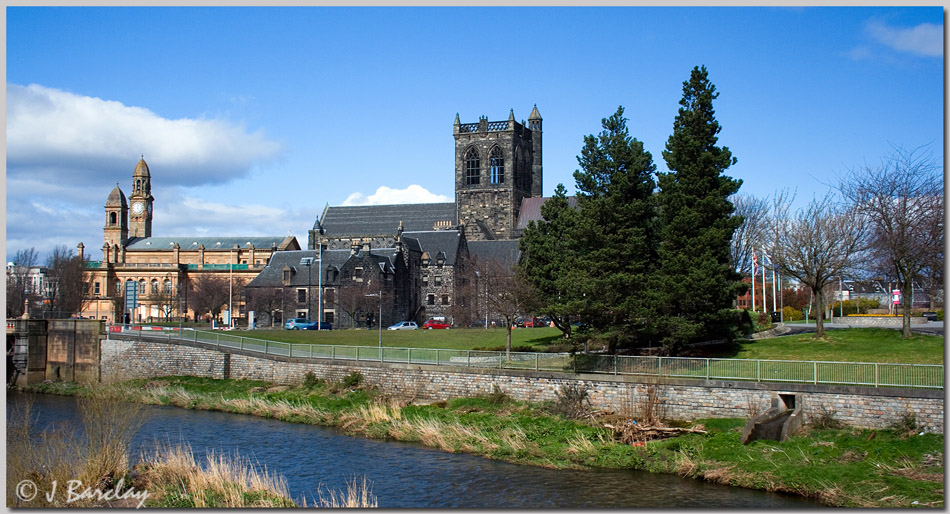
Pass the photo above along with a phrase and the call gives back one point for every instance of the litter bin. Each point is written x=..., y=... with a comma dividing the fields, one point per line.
x=776, y=316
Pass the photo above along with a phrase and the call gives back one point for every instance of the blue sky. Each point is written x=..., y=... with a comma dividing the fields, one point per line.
x=253, y=119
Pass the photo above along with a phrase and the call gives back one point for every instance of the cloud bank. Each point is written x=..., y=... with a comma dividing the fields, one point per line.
x=925, y=39
x=386, y=196
x=50, y=131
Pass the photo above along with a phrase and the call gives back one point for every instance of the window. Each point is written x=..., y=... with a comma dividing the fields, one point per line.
x=329, y=296
x=167, y=286
x=358, y=274
x=328, y=317
x=112, y=218
x=142, y=286
x=430, y=300
x=496, y=163
x=95, y=288
x=154, y=286
x=301, y=314
x=445, y=299
x=425, y=281
x=472, y=168
x=301, y=296
x=438, y=280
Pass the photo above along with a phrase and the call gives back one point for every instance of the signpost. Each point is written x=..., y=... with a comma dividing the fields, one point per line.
x=131, y=299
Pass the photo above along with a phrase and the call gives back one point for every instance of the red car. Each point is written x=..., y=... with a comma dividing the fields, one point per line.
x=432, y=323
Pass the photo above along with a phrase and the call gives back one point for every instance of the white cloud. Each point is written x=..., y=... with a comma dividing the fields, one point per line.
x=925, y=39
x=386, y=196
x=60, y=135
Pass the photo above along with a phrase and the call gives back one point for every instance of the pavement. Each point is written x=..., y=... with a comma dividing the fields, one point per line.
x=931, y=327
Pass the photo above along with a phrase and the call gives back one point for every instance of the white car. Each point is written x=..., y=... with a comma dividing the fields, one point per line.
x=404, y=325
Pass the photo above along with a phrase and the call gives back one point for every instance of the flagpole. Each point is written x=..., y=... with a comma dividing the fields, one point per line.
x=753, y=280
x=765, y=307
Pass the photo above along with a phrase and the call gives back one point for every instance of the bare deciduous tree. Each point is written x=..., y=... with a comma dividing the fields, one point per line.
x=816, y=245
x=751, y=233
x=902, y=200
x=209, y=294
x=66, y=293
x=20, y=292
x=505, y=293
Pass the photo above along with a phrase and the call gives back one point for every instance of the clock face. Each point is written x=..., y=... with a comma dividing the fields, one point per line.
x=137, y=207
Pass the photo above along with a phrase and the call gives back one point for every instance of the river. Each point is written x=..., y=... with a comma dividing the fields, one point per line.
x=411, y=476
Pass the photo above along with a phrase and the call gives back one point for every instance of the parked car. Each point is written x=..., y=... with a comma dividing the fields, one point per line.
x=299, y=324
x=930, y=316
x=435, y=324
x=480, y=323
x=323, y=326
x=404, y=325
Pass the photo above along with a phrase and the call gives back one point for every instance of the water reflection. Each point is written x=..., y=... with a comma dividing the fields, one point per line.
x=405, y=475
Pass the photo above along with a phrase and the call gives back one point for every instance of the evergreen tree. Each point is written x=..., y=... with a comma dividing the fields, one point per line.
x=549, y=260
x=616, y=227
x=696, y=279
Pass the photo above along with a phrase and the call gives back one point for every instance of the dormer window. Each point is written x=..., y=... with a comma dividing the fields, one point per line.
x=440, y=259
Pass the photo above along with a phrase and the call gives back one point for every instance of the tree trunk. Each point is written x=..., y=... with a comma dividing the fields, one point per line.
x=508, y=342
x=819, y=313
x=908, y=304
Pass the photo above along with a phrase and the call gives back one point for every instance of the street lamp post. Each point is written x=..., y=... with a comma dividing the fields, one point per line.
x=379, y=321
x=320, y=287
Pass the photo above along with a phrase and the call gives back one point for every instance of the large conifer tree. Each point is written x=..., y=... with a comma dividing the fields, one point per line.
x=696, y=279
x=616, y=228
x=549, y=260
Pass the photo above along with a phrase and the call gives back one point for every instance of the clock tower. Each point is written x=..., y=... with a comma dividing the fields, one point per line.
x=140, y=202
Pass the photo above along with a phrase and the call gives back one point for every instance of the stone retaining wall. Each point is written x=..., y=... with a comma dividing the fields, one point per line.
x=680, y=399
x=879, y=321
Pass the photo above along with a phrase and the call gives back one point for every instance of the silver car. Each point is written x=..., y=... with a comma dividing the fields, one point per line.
x=404, y=325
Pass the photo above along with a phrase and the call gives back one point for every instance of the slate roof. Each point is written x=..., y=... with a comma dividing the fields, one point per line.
x=370, y=220
x=212, y=243
x=435, y=241
x=531, y=209
x=272, y=274
x=505, y=251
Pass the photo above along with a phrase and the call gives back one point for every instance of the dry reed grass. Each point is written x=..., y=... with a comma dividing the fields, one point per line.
x=55, y=457
x=223, y=482
x=358, y=495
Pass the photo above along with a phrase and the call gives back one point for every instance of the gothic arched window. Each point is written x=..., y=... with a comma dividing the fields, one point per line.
x=472, y=168
x=497, y=165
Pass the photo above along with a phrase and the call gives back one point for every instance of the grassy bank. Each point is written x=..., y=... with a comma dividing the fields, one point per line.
x=844, y=345
x=837, y=466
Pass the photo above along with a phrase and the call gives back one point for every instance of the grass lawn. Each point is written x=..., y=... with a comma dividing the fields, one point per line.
x=844, y=345
x=452, y=339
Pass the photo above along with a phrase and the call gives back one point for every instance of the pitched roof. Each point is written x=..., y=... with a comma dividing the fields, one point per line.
x=435, y=241
x=213, y=243
x=272, y=274
x=531, y=209
x=504, y=251
x=371, y=220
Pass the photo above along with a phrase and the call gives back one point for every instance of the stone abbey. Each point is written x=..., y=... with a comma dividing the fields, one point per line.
x=409, y=261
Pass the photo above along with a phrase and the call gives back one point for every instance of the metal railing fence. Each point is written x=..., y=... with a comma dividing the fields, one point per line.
x=873, y=374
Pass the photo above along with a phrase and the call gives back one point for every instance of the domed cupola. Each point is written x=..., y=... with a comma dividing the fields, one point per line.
x=117, y=198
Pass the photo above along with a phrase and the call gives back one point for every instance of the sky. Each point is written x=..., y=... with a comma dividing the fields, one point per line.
x=253, y=119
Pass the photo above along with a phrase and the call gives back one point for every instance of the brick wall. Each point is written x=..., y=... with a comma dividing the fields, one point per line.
x=680, y=399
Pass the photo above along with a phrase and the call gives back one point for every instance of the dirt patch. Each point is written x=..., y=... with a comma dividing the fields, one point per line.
x=916, y=474
x=852, y=456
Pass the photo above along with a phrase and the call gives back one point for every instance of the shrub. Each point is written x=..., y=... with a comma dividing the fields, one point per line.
x=353, y=379
x=573, y=402
x=790, y=313
x=859, y=306
x=310, y=380
x=825, y=419
x=497, y=396
x=905, y=424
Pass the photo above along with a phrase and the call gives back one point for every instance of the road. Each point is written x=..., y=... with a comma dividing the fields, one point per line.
x=931, y=327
